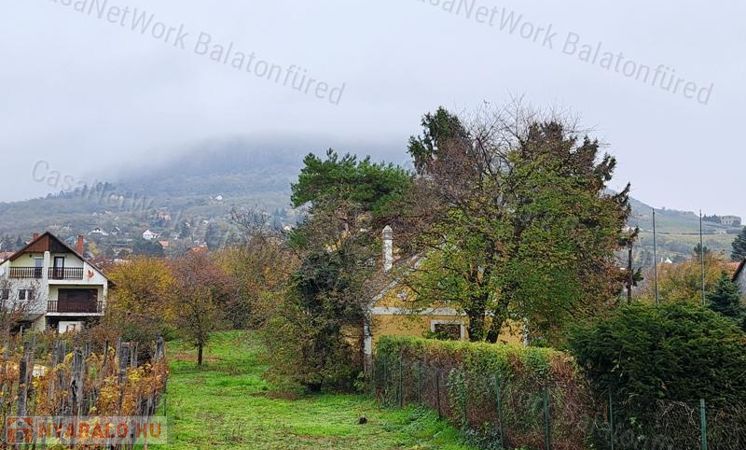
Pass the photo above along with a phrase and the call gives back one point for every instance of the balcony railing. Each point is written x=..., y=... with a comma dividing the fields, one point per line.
x=92, y=307
x=56, y=273
x=26, y=272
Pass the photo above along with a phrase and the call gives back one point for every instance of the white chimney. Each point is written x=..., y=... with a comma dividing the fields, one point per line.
x=388, y=248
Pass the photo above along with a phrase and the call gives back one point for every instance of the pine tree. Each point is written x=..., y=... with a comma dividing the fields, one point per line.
x=698, y=250
x=739, y=247
x=726, y=299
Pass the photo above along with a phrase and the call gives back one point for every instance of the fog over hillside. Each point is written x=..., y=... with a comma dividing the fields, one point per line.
x=208, y=180
x=256, y=165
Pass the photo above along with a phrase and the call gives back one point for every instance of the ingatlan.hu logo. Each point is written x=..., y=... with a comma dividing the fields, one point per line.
x=82, y=432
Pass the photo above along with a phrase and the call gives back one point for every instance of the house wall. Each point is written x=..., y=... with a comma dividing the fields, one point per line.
x=421, y=325
x=36, y=306
x=71, y=261
x=27, y=260
x=397, y=313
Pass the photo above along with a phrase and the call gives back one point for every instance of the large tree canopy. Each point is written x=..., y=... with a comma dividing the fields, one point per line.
x=350, y=201
x=524, y=226
x=369, y=186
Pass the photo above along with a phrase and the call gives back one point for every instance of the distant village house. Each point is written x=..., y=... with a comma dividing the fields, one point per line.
x=149, y=235
x=731, y=221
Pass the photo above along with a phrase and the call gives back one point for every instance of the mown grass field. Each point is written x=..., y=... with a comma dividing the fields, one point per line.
x=227, y=405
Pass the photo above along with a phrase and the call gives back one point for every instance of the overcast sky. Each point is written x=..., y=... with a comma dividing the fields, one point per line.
x=86, y=94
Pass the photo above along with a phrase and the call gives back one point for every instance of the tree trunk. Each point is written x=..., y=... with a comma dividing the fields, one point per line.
x=498, y=319
x=476, y=315
x=200, y=347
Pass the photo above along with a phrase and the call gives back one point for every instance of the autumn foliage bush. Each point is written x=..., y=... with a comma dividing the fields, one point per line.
x=37, y=376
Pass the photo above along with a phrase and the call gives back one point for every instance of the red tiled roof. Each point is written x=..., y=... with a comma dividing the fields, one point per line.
x=740, y=268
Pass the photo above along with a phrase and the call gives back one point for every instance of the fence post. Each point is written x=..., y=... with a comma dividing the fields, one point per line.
x=499, y=410
x=384, y=382
x=372, y=380
x=465, y=403
x=437, y=391
x=401, y=380
x=703, y=422
x=611, y=421
x=547, y=421
x=77, y=382
x=419, y=382
x=25, y=367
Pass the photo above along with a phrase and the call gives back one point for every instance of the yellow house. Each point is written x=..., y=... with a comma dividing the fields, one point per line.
x=392, y=310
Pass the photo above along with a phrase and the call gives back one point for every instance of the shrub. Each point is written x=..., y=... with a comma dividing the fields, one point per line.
x=725, y=299
x=306, y=353
x=495, y=392
x=674, y=352
x=311, y=334
x=138, y=308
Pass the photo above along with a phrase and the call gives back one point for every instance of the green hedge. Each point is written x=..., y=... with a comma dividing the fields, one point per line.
x=497, y=393
x=656, y=362
x=673, y=352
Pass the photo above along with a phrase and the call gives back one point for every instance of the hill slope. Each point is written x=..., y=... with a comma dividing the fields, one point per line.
x=191, y=196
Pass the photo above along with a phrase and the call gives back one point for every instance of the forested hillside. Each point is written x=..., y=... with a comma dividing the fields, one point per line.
x=188, y=200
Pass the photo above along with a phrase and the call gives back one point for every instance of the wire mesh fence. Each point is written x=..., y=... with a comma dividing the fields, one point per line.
x=503, y=413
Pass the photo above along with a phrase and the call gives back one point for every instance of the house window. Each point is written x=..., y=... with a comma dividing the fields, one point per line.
x=26, y=294
x=447, y=330
x=4, y=294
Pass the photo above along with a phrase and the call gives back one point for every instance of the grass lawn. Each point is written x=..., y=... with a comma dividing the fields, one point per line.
x=227, y=405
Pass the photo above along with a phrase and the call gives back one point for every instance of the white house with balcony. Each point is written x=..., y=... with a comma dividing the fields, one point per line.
x=52, y=285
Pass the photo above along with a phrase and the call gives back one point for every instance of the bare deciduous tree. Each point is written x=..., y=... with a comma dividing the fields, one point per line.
x=201, y=298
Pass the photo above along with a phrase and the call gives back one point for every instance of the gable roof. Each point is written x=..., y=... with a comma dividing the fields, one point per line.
x=48, y=242
x=382, y=282
x=739, y=270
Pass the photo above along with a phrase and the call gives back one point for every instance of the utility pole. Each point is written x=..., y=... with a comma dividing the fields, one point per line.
x=655, y=262
x=631, y=274
x=702, y=258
